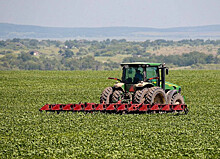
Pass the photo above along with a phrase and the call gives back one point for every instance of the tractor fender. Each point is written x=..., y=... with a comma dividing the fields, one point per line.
x=171, y=86
x=119, y=86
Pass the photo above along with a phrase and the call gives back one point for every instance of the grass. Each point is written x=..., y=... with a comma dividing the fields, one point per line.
x=27, y=133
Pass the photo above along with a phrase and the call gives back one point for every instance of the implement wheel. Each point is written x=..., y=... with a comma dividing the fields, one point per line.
x=177, y=99
x=117, y=95
x=106, y=95
x=155, y=95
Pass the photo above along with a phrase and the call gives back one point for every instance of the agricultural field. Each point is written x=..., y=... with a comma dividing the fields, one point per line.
x=27, y=133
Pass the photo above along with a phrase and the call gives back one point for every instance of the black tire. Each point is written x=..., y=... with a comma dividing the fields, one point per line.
x=139, y=96
x=117, y=95
x=106, y=95
x=170, y=94
x=177, y=99
x=155, y=95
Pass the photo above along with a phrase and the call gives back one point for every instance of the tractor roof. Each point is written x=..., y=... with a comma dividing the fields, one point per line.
x=142, y=63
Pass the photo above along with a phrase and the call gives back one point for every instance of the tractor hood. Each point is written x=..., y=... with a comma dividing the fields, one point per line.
x=172, y=86
x=127, y=87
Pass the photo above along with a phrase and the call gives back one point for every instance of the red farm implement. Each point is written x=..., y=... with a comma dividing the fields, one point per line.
x=116, y=108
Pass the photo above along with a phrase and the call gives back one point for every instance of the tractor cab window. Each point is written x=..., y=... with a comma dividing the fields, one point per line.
x=132, y=74
x=151, y=72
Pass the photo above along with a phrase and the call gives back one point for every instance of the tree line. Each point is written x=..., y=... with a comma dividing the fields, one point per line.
x=26, y=61
x=189, y=59
x=18, y=54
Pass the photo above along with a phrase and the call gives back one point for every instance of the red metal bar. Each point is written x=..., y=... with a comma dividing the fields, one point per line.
x=45, y=107
x=78, y=107
x=121, y=107
x=154, y=107
x=144, y=107
x=89, y=106
x=100, y=107
x=56, y=107
x=166, y=108
x=178, y=107
x=68, y=107
x=111, y=107
x=134, y=107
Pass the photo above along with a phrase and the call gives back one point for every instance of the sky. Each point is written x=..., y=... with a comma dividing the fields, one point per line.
x=108, y=13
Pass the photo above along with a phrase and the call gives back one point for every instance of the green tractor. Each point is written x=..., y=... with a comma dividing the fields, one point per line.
x=143, y=82
x=141, y=89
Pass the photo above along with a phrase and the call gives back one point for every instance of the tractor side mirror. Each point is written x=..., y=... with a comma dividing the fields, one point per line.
x=167, y=71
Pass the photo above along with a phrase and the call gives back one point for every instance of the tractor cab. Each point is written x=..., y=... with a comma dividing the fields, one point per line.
x=133, y=73
x=141, y=72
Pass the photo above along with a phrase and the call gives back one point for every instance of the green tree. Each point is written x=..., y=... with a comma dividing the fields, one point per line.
x=218, y=53
x=69, y=43
x=68, y=53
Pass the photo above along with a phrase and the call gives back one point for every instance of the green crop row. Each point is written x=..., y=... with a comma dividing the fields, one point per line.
x=27, y=133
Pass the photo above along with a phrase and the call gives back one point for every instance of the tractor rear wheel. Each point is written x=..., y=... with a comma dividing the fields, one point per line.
x=155, y=95
x=139, y=96
x=117, y=95
x=177, y=99
x=106, y=95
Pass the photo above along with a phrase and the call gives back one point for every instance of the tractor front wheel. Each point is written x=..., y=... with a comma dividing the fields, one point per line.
x=177, y=99
x=170, y=94
x=106, y=95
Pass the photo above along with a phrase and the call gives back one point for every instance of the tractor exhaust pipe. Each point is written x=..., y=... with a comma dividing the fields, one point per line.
x=163, y=77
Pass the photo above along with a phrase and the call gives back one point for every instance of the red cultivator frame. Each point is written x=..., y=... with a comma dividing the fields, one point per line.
x=116, y=108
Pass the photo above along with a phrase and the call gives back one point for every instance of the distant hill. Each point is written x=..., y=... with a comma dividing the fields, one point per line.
x=8, y=31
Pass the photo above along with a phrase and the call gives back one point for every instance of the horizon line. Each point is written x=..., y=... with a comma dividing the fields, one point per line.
x=112, y=26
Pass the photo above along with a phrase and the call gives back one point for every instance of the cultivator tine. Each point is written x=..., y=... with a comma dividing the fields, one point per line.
x=186, y=110
x=116, y=107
